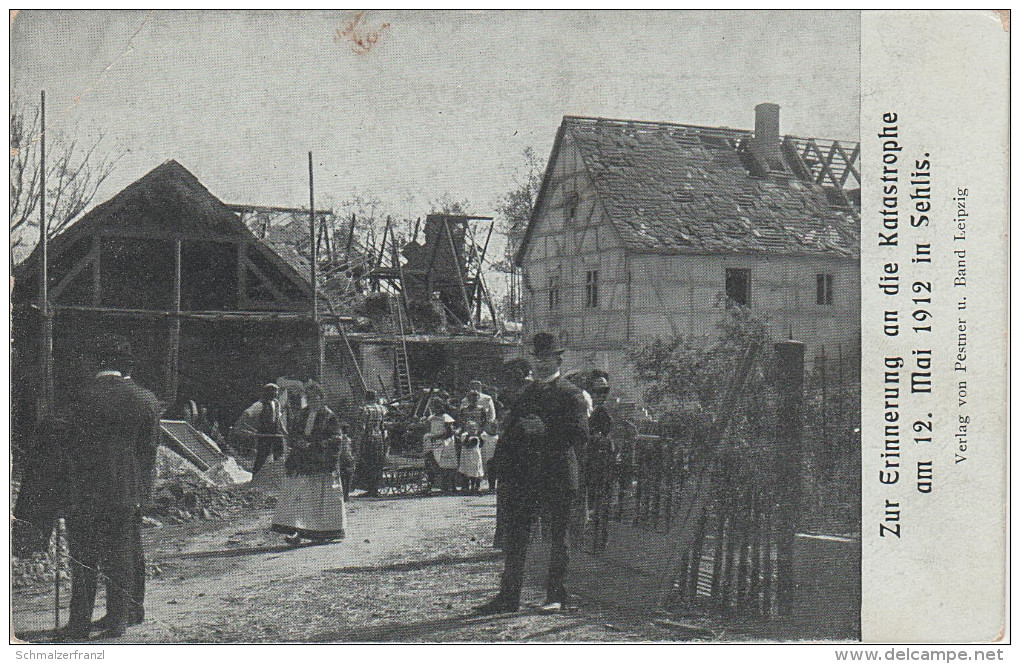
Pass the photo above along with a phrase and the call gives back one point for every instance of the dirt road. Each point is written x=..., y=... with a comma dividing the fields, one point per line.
x=410, y=569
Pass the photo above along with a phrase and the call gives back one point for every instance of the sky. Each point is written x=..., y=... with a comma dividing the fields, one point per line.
x=411, y=106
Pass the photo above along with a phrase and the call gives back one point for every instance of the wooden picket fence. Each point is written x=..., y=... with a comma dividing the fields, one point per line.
x=731, y=513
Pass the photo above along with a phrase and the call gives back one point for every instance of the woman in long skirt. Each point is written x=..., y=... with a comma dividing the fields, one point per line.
x=311, y=504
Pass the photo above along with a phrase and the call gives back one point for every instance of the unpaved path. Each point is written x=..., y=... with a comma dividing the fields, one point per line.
x=410, y=569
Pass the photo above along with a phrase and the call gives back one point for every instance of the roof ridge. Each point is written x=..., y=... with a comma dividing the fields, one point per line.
x=729, y=130
x=595, y=119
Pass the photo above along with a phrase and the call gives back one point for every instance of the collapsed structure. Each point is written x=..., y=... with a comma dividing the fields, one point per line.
x=214, y=310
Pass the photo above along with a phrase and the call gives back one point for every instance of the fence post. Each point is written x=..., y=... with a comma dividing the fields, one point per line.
x=790, y=387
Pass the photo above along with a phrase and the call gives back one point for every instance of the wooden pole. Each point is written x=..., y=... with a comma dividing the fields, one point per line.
x=790, y=383
x=57, y=568
x=432, y=261
x=312, y=237
x=46, y=351
x=320, y=341
x=350, y=241
x=456, y=263
x=382, y=245
x=478, y=277
x=174, y=345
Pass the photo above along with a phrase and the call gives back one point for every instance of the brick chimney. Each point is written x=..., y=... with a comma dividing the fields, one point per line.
x=765, y=144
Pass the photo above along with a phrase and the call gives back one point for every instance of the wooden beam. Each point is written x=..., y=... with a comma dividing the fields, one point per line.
x=265, y=281
x=476, y=288
x=827, y=167
x=184, y=315
x=137, y=234
x=850, y=161
x=803, y=168
x=85, y=262
x=242, y=273
x=242, y=208
x=456, y=263
x=97, y=292
x=174, y=344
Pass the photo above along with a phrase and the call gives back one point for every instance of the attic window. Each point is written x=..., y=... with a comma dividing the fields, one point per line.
x=738, y=287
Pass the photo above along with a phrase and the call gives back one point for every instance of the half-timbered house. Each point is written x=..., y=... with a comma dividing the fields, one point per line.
x=646, y=230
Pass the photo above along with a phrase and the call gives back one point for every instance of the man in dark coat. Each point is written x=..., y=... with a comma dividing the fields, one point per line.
x=113, y=465
x=537, y=458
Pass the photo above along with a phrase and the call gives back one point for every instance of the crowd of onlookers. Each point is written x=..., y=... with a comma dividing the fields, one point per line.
x=460, y=440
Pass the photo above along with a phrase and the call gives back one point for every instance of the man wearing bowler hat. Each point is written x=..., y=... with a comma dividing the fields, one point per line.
x=112, y=470
x=537, y=458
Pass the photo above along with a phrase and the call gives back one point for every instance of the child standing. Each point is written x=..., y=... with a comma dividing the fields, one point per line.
x=471, y=467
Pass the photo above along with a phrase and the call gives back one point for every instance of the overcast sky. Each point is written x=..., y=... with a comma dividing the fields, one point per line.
x=441, y=103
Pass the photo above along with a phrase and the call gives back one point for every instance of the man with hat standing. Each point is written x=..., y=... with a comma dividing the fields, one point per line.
x=112, y=472
x=538, y=458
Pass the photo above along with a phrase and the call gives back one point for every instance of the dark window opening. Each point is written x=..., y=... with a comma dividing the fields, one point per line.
x=572, y=201
x=208, y=276
x=564, y=338
x=738, y=286
x=136, y=273
x=823, y=289
x=591, y=289
x=554, y=292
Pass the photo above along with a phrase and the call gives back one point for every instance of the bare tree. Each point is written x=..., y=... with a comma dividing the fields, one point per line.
x=446, y=204
x=74, y=172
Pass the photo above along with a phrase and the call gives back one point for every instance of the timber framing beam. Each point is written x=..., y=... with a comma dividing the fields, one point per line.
x=196, y=315
x=90, y=259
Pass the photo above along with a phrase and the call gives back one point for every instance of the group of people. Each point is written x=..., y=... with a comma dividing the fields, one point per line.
x=294, y=427
x=551, y=436
x=461, y=441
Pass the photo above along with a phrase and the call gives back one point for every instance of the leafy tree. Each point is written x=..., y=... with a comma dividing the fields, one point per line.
x=516, y=206
x=514, y=213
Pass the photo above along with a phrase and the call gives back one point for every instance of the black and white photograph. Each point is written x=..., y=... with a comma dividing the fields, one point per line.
x=435, y=327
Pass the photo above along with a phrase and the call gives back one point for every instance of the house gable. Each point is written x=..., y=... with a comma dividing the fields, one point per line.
x=121, y=254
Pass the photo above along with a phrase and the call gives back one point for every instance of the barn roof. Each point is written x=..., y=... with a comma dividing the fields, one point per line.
x=169, y=199
x=673, y=188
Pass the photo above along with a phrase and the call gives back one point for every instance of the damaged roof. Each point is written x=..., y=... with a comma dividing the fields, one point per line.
x=672, y=188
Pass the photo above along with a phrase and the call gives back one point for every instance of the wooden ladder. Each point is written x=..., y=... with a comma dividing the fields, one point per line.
x=404, y=385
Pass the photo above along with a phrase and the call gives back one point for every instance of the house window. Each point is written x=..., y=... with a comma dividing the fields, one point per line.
x=564, y=338
x=591, y=289
x=738, y=286
x=823, y=289
x=554, y=292
x=572, y=201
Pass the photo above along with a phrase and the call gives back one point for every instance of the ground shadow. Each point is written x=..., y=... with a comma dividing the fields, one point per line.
x=415, y=565
x=404, y=632
x=234, y=553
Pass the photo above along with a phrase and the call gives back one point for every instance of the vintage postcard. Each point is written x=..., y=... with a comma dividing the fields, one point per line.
x=357, y=327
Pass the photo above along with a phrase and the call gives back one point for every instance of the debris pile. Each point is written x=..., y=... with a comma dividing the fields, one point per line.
x=184, y=498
